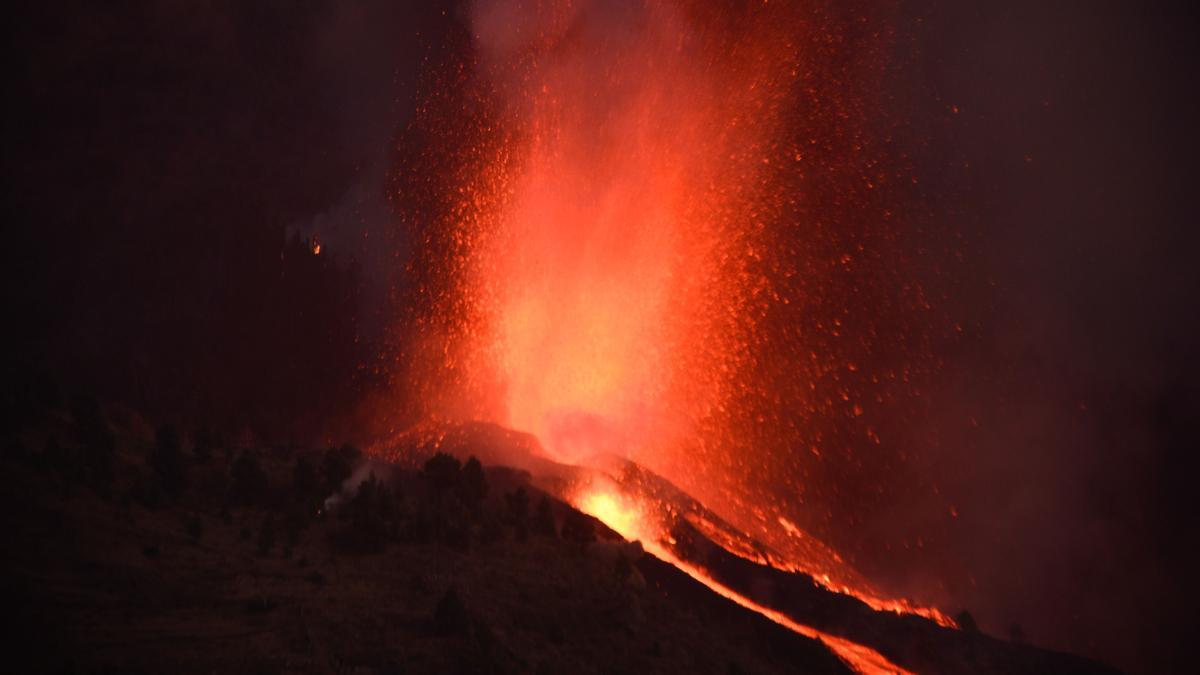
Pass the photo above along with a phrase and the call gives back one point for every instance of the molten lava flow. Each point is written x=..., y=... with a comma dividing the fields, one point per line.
x=860, y=657
x=613, y=511
x=652, y=251
x=633, y=521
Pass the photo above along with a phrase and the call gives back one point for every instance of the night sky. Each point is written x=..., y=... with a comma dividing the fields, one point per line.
x=167, y=164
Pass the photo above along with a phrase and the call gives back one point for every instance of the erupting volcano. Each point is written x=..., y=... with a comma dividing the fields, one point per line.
x=638, y=256
x=543, y=336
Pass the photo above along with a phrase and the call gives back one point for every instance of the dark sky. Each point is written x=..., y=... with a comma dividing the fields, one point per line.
x=159, y=155
x=1076, y=130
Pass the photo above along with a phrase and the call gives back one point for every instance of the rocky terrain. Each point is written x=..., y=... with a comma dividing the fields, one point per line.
x=232, y=562
x=141, y=549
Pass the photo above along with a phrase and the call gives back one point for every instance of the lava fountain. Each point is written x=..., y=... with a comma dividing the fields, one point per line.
x=621, y=268
x=615, y=288
x=603, y=272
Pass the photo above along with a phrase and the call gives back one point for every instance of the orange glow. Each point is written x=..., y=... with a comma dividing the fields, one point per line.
x=859, y=657
x=621, y=235
x=604, y=258
x=624, y=519
x=625, y=516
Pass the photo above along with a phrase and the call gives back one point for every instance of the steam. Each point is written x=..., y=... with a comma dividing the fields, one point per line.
x=362, y=471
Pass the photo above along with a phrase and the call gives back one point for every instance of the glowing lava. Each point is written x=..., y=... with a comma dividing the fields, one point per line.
x=618, y=272
x=631, y=520
x=613, y=511
x=601, y=282
x=625, y=266
x=860, y=657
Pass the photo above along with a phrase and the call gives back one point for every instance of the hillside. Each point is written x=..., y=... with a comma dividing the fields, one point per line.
x=147, y=550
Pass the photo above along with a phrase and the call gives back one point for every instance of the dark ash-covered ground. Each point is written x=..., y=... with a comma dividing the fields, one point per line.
x=142, y=549
x=114, y=567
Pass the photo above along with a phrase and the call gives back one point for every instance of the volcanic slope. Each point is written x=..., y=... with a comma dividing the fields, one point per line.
x=678, y=528
x=140, y=551
x=134, y=572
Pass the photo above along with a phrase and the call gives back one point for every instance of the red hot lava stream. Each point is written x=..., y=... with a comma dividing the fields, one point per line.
x=605, y=274
x=632, y=521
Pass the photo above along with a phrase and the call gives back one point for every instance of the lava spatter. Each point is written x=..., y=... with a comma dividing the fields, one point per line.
x=658, y=233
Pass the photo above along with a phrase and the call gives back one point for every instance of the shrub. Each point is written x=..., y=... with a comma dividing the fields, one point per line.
x=472, y=484
x=372, y=514
x=443, y=520
x=294, y=522
x=337, y=466
x=491, y=528
x=623, y=567
x=250, y=484
x=518, y=505
x=442, y=473
x=206, y=441
x=966, y=622
x=307, y=487
x=543, y=519
x=578, y=528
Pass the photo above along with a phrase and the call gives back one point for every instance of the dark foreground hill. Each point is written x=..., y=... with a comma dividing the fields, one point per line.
x=140, y=550
x=159, y=558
